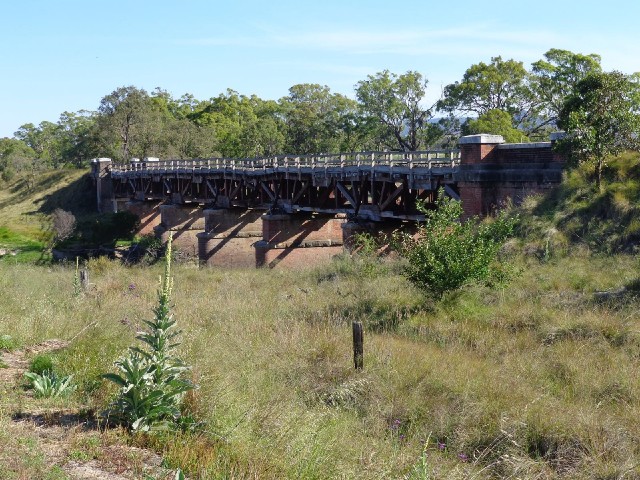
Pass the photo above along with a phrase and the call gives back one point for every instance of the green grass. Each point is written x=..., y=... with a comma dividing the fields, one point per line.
x=534, y=380
x=604, y=221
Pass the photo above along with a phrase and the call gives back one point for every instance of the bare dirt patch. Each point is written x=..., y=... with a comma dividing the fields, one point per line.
x=70, y=440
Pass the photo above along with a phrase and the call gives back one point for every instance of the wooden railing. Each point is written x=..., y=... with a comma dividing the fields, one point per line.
x=421, y=159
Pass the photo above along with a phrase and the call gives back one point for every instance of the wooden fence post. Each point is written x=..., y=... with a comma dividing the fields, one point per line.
x=358, y=349
x=84, y=279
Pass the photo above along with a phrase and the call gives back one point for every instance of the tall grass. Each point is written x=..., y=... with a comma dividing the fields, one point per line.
x=532, y=381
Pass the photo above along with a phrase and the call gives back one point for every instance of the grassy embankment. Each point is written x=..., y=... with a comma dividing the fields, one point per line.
x=25, y=207
x=535, y=380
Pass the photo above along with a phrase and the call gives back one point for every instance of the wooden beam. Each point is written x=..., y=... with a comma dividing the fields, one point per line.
x=269, y=192
x=213, y=190
x=392, y=197
x=449, y=191
x=346, y=194
x=235, y=191
x=305, y=187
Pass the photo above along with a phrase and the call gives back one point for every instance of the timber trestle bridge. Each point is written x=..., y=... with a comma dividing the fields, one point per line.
x=373, y=185
x=291, y=210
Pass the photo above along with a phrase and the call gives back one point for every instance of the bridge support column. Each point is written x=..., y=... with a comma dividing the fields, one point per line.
x=184, y=222
x=101, y=173
x=229, y=237
x=299, y=239
x=476, y=150
x=148, y=213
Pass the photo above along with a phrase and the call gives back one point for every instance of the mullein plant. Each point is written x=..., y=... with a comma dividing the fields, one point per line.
x=151, y=378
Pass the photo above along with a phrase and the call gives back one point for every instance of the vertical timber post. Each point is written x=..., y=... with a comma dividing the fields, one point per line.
x=358, y=342
x=84, y=279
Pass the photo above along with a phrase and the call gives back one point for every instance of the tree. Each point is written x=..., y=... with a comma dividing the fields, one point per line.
x=128, y=122
x=43, y=139
x=601, y=118
x=316, y=120
x=242, y=126
x=77, y=141
x=15, y=155
x=497, y=122
x=393, y=101
x=554, y=78
x=499, y=85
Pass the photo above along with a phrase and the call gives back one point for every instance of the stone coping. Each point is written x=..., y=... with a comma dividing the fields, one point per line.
x=480, y=139
x=513, y=146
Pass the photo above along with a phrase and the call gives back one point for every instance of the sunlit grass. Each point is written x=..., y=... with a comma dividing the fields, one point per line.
x=534, y=378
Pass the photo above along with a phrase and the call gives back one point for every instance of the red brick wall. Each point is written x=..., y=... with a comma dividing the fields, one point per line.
x=180, y=217
x=227, y=252
x=473, y=153
x=298, y=258
x=291, y=229
x=185, y=241
x=235, y=222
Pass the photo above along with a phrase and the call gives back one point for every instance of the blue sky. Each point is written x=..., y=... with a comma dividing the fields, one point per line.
x=65, y=55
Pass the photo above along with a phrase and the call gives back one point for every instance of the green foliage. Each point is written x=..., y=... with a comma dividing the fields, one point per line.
x=318, y=120
x=498, y=85
x=555, y=77
x=8, y=174
x=394, y=103
x=49, y=385
x=497, y=122
x=447, y=253
x=578, y=212
x=601, y=118
x=41, y=363
x=151, y=378
x=421, y=469
x=8, y=343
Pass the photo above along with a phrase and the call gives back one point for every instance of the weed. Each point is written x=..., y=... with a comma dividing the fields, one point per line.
x=8, y=343
x=50, y=385
x=77, y=287
x=151, y=379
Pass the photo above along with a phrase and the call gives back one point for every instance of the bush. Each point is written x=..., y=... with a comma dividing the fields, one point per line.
x=447, y=253
x=41, y=364
x=115, y=226
x=8, y=174
x=64, y=225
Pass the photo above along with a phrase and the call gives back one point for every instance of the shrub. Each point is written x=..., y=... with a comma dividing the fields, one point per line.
x=151, y=378
x=447, y=253
x=64, y=225
x=8, y=174
x=41, y=364
x=109, y=228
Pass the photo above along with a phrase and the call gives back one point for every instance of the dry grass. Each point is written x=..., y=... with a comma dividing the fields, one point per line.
x=533, y=381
